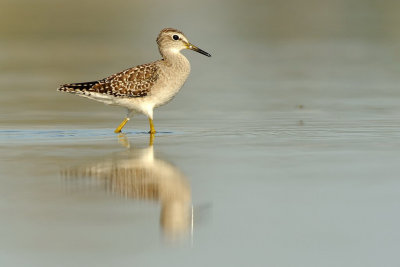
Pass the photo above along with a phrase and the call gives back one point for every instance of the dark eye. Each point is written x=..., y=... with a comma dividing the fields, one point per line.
x=175, y=37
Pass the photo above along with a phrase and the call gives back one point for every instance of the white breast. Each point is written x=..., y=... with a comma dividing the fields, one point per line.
x=172, y=77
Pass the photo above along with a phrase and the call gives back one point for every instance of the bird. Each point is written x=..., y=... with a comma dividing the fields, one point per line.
x=145, y=87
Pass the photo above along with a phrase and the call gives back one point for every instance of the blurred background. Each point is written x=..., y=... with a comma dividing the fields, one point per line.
x=265, y=48
x=285, y=142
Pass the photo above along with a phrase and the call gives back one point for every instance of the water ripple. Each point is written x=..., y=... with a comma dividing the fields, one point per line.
x=30, y=136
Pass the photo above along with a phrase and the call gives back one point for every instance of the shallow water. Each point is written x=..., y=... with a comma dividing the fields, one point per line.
x=282, y=149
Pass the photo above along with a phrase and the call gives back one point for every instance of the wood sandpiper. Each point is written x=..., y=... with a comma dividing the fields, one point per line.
x=142, y=88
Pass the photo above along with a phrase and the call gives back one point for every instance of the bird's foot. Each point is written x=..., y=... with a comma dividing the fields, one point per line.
x=119, y=128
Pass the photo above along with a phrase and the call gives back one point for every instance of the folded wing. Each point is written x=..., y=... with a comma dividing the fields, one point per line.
x=133, y=82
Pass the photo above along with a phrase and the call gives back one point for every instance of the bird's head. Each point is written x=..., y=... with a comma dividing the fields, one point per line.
x=173, y=41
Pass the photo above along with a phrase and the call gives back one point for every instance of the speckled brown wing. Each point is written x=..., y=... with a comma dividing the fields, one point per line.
x=133, y=82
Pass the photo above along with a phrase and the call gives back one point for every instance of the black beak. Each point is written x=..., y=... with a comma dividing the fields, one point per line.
x=198, y=50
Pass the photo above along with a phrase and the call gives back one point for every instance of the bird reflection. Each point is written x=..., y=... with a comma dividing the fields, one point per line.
x=138, y=174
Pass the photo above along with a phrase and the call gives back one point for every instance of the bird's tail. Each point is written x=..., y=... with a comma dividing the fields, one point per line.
x=77, y=87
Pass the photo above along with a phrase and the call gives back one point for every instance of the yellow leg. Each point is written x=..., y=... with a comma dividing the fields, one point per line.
x=119, y=128
x=152, y=130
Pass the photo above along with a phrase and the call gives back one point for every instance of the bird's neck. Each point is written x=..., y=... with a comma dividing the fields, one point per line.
x=176, y=60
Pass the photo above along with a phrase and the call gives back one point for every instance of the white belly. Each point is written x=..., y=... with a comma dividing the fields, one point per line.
x=171, y=80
